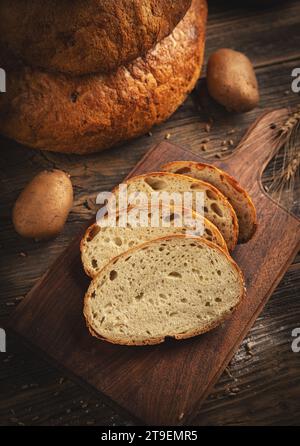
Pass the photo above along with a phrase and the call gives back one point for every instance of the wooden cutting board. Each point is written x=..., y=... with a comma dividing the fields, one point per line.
x=165, y=384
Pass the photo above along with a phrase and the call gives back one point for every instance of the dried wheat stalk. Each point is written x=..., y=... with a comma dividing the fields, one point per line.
x=284, y=185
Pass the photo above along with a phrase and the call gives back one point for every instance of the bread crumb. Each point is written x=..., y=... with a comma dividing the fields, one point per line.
x=17, y=299
x=248, y=347
x=168, y=136
x=181, y=416
x=23, y=254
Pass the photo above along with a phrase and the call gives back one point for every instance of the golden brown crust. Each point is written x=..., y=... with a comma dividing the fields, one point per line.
x=155, y=341
x=92, y=113
x=247, y=229
x=231, y=244
x=86, y=36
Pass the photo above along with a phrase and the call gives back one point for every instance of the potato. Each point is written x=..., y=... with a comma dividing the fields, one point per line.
x=42, y=208
x=231, y=80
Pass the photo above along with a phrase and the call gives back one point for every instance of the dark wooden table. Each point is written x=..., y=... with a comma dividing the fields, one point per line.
x=262, y=383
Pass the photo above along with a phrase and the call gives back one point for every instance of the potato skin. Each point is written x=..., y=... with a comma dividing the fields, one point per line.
x=231, y=80
x=43, y=206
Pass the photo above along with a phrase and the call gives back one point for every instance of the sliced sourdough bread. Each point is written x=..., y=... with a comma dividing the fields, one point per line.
x=101, y=244
x=237, y=196
x=217, y=208
x=174, y=286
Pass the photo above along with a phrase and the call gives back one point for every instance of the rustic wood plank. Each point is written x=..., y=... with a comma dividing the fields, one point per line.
x=267, y=35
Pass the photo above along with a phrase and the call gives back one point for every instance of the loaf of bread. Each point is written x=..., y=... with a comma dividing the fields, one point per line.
x=236, y=194
x=101, y=244
x=175, y=286
x=217, y=208
x=91, y=113
x=86, y=36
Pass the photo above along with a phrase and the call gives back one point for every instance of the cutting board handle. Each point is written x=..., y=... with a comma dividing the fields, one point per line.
x=256, y=149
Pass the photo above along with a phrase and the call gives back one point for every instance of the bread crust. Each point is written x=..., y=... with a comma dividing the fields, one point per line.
x=154, y=341
x=95, y=112
x=86, y=36
x=245, y=233
x=235, y=225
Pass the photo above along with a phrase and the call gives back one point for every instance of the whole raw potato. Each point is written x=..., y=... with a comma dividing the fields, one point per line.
x=231, y=80
x=42, y=208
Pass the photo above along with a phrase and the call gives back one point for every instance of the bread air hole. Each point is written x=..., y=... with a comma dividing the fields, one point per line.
x=139, y=296
x=211, y=195
x=218, y=299
x=162, y=296
x=171, y=218
x=113, y=275
x=183, y=170
x=175, y=275
x=94, y=263
x=216, y=209
x=196, y=186
x=118, y=241
x=155, y=183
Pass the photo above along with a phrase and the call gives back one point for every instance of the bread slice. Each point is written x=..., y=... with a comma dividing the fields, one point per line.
x=217, y=208
x=237, y=196
x=174, y=286
x=101, y=244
